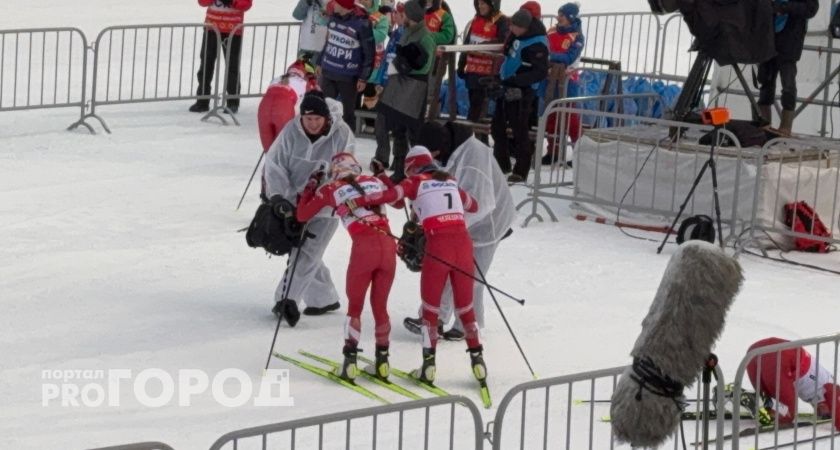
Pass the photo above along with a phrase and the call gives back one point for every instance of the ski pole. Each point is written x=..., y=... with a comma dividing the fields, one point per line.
x=507, y=324
x=285, y=294
x=444, y=262
x=250, y=180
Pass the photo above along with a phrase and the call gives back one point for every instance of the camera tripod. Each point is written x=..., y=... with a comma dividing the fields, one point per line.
x=709, y=164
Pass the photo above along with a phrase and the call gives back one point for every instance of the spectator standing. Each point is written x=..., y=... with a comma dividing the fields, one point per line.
x=489, y=26
x=313, y=27
x=403, y=102
x=791, y=22
x=379, y=15
x=440, y=22
x=387, y=68
x=225, y=16
x=347, y=60
x=565, y=45
x=524, y=68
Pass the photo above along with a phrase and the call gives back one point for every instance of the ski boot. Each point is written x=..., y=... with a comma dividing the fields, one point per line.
x=426, y=372
x=764, y=414
x=380, y=369
x=348, y=369
x=479, y=369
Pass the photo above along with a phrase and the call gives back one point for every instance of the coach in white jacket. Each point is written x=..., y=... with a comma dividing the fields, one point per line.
x=472, y=163
x=306, y=144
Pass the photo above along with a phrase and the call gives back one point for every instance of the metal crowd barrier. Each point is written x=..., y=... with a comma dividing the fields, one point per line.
x=42, y=68
x=151, y=63
x=569, y=412
x=427, y=421
x=267, y=51
x=138, y=446
x=656, y=148
x=824, y=352
x=809, y=172
x=676, y=41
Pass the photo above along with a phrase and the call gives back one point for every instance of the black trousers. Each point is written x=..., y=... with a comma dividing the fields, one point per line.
x=344, y=90
x=767, y=74
x=383, y=139
x=207, y=66
x=516, y=115
x=477, y=99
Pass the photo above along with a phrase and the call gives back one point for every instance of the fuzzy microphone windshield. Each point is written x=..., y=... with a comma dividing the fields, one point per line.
x=685, y=319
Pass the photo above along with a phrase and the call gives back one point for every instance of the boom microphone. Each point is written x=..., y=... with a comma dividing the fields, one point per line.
x=685, y=319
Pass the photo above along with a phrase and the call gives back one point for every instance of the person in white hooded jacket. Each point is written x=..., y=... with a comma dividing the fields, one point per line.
x=472, y=163
x=305, y=146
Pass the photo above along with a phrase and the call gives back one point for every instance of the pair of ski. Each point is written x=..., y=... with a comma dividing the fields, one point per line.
x=352, y=385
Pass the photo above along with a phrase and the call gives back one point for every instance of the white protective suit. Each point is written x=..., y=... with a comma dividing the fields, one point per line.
x=290, y=160
x=478, y=173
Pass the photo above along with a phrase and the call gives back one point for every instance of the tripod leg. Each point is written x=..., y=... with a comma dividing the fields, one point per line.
x=713, y=166
x=682, y=207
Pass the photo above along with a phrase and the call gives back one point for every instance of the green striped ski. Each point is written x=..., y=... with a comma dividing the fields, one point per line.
x=384, y=383
x=766, y=429
x=484, y=391
x=407, y=376
x=332, y=377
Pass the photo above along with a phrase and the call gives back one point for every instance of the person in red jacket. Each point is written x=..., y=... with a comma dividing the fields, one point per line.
x=225, y=16
x=439, y=205
x=278, y=105
x=790, y=375
x=372, y=258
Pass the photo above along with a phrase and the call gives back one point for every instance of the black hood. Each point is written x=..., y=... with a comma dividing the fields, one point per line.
x=444, y=139
x=495, y=5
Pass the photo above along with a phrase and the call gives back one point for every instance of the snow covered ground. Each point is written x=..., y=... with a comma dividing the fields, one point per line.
x=120, y=252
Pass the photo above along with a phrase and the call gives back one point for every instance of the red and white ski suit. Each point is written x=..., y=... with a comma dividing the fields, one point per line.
x=440, y=206
x=372, y=258
x=798, y=377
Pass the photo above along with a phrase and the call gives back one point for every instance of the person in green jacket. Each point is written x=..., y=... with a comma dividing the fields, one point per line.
x=403, y=102
x=440, y=22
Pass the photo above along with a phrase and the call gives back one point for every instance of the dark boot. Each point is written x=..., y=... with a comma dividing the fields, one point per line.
x=348, y=369
x=766, y=112
x=413, y=324
x=380, y=367
x=316, y=311
x=479, y=369
x=232, y=106
x=426, y=372
x=287, y=309
x=200, y=106
x=786, y=124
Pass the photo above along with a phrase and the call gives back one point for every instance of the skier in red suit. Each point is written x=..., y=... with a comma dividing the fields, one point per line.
x=799, y=377
x=439, y=205
x=372, y=258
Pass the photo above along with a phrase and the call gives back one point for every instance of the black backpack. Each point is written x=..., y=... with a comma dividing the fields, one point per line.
x=277, y=234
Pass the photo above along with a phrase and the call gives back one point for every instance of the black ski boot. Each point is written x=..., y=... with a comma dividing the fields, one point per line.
x=287, y=309
x=348, y=369
x=479, y=369
x=380, y=368
x=426, y=372
x=200, y=106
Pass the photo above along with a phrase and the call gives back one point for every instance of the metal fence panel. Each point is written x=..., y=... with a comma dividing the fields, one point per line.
x=267, y=50
x=824, y=352
x=138, y=446
x=663, y=155
x=42, y=68
x=571, y=412
x=152, y=63
x=675, y=57
x=452, y=422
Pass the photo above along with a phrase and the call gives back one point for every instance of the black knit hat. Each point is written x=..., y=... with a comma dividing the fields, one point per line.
x=314, y=103
x=521, y=18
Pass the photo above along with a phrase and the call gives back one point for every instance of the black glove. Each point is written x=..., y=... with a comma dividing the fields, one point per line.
x=493, y=87
x=227, y=3
x=413, y=54
x=411, y=246
x=281, y=207
x=513, y=94
x=315, y=180
x=376, y=166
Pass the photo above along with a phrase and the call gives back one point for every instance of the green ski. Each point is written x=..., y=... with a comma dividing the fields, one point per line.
x=484, y=391
x=332, y=377
x=384, y=383
x=407, y=376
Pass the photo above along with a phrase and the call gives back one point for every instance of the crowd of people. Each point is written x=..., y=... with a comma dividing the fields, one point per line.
x=378, y=55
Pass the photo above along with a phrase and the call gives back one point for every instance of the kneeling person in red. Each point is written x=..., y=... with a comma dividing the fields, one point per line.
x=372, y=258
x=440, y=206
x=790, y=375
